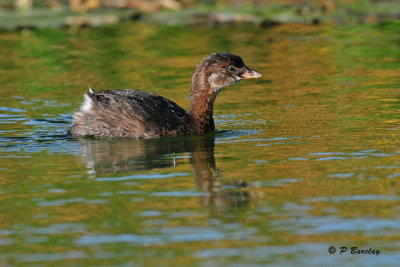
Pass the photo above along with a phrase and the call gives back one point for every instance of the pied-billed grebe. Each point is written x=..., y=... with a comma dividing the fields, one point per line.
x=126, y=113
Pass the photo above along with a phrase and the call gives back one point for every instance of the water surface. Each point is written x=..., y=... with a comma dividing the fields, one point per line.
x=305, y=158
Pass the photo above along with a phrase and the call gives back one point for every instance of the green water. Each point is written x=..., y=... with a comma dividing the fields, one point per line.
x=305, y=158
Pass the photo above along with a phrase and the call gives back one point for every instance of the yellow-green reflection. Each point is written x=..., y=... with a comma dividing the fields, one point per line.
x=305, y=158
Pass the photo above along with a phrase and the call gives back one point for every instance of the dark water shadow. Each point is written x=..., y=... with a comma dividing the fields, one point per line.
x=110, y=157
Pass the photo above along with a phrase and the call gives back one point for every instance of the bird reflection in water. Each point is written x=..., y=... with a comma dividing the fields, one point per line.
x=109, y=157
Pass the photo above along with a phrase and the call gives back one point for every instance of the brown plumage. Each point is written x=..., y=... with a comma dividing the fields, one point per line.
x=125, y=113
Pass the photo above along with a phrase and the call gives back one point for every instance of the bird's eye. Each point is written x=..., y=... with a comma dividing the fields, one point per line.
x=231, y=68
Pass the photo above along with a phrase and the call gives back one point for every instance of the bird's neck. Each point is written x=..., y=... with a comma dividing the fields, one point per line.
x=201, y=103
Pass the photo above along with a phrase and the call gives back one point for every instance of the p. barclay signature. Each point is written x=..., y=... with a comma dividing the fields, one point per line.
x=356, y=250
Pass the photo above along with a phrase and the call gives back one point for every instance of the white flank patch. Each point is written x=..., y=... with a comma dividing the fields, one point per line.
x=87, y=103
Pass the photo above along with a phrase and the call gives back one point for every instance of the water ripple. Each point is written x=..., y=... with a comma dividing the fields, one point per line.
x=56, y=256
x=169, y=235
x=143, y=176
x=331, y=224
x=353, y=198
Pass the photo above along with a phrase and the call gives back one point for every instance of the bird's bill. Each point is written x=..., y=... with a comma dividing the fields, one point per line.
x=250, y=74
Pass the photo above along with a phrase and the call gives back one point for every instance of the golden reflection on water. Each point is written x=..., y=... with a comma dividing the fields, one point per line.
x=308, y=155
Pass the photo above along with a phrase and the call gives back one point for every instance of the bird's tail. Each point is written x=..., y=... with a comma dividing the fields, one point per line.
x=91, y=90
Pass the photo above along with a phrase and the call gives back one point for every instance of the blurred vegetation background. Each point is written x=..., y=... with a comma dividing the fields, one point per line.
x=16, y=14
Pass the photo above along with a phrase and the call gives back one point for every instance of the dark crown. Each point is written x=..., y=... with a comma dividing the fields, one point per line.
x=225, y=56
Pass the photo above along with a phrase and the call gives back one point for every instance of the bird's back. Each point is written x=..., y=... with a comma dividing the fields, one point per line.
x=128, y=113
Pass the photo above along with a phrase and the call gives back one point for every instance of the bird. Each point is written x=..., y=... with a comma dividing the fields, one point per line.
x=136, y=114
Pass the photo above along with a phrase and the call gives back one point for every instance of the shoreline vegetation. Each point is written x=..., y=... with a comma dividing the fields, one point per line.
x=35, y=14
